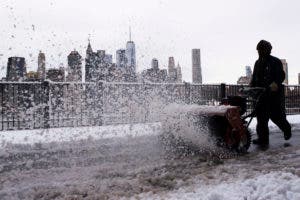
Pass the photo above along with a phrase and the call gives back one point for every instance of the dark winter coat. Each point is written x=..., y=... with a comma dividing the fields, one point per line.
x=266, y=71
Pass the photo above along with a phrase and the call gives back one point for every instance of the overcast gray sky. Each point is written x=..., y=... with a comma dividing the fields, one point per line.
x=226, y=32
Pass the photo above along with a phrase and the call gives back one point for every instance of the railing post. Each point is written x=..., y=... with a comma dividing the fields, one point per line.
x=100, y=94
x=187, y=92
x=2, y=105
x=46, y=101
x=222, y=91
x=284, y=98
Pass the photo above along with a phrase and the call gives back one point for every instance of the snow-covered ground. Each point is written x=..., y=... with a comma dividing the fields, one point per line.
x=272, y=185
x=129, y=161
x=42, y=136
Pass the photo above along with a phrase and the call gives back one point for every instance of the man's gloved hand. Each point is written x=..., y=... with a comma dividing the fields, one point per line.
x=274, y=87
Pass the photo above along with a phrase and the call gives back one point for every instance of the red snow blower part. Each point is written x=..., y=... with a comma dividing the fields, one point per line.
x=227, y=123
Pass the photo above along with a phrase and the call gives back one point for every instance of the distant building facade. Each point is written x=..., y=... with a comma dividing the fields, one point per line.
x=298, y=78
x=179, y=74
x=32, y=76
x=41, y=71
x=154, y=74
x=108, y=59
x=16, y=69
x=56, y=75
x=90, y=64
x=97, y=65
x=115, y=74
x=285, y=69
x=154, y=64
x=245, y=80
x=174, y=73
x=74, y=67
x=196, y=66
x=248, y=71
x=121, y=60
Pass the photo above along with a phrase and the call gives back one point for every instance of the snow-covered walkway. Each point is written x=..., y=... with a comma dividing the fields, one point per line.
x=130, y=162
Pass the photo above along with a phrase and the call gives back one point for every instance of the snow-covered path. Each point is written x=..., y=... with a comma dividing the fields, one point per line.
x=111, y=165
x=273, y=174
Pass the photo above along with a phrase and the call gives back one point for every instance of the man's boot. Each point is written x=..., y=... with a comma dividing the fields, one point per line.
x=287, y=135
x=263, y=145
x=260, y=142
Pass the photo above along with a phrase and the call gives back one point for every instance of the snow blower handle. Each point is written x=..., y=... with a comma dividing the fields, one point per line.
x=254, y=92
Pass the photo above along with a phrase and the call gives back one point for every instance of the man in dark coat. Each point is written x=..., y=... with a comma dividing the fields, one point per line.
x=268, y=73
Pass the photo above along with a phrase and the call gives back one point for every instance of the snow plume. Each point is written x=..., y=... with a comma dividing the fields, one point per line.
x=179, y=121
x=138, y=103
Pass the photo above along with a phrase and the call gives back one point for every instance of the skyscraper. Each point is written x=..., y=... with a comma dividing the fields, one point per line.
x=154, y=74
x=108, y=59
x=97, y=64
x=88, y=62
x=179, y=74
x=298, y=78
x=285, y=69
x=245, y=80
x=121, y=60
x=154, y=64
x=172, y=70
x=248, y=72
x=101, y=55
x=16, y=69
x=130, y=54
x=41, y=66
x=171, y=65
x=74, y=67
x=196, y=68
x=89, y=51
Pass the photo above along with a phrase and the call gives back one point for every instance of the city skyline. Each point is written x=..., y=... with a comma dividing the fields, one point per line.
x=98, y=66
x=173, y=72
x=116, y=59
x=227, y=34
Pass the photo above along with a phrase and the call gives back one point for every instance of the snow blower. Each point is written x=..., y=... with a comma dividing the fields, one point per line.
x=226, y=123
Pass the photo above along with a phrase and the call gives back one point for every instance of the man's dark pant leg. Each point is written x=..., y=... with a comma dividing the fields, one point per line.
x=262, y=128
x=277, y=113
x=279, y=118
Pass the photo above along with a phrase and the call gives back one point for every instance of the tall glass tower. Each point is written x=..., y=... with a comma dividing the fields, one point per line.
x=130, y=54
x=196, y=66
x=41, y=66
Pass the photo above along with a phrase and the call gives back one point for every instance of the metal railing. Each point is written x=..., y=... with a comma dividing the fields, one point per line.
x=34, y=105
x=292, y=99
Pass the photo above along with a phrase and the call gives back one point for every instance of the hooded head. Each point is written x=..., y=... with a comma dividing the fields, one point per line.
x=264, y=48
